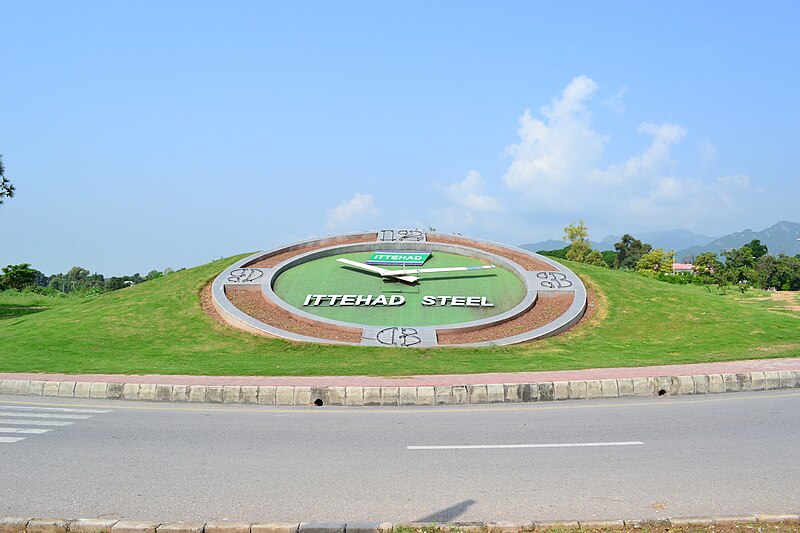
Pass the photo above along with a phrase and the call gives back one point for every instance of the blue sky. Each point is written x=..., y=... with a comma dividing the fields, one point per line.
x=145, y=135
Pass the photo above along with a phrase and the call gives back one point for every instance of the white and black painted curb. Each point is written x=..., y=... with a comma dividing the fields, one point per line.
x=93, y=525
x=409, y=395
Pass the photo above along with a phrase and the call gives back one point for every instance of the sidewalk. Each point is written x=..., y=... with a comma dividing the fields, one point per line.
x=730, y=367
x=357, y=391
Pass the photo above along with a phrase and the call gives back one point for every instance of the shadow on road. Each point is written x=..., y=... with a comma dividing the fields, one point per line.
x=448, y=514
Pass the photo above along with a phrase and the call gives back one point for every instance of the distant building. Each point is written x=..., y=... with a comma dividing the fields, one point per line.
x=682, y=268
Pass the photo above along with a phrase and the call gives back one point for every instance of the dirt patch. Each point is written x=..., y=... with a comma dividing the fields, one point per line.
x=788, y=299
x=253, y=303
x=207, y=303
x=596, y=305
x=279, y=257
x=546, y=309
x=595, y=310
x=525, y=261
x=778, y=348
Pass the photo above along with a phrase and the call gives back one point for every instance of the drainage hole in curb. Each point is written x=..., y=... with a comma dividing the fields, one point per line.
x=318, y=402
x=661, y=392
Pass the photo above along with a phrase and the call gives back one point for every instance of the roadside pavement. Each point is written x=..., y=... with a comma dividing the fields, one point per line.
x=446, y=389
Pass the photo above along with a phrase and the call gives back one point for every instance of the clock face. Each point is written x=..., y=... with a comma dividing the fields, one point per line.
x=400, y=288
x=489, y=292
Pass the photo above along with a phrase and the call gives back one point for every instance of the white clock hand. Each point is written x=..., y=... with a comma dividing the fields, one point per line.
x=384, y=273
x=393, y=273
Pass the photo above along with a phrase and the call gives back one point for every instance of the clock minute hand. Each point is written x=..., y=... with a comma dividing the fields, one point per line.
x=383, y=272
x=405, y=272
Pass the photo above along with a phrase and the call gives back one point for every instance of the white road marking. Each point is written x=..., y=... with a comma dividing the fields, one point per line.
x=60, y=409
x=16, y=415
x=511, y=446
x=35, y=422
x=47, y=415
x=24, y=430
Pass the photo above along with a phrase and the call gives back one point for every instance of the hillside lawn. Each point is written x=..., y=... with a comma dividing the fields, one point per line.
x=159, y=327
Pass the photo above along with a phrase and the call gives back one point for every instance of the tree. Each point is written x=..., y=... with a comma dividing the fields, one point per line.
x=707, y=264
x=595, y=258
x=19, y=276
x=739, y=258
x=77, y=279
x=577, y=235
x=782, y=272
x=757, y=249
x=630, y=251
x=610, y=257
x=115, y=283
x=561, y=253
x=740, y=264
x=6, y=188
x=656, y=261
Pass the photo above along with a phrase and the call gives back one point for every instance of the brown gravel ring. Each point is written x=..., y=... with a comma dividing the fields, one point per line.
x=558, y=281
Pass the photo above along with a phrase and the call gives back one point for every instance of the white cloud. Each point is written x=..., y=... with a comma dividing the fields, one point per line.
x=556, y=175
x=676, y=202
x=649, y=162
x=360, y=207
x=615, y=102
x=736, y=181
x=731, y=190
x=468, y=194
x=554, y=155
x=707, y=152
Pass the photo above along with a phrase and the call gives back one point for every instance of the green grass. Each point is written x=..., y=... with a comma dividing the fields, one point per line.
x=14, y=304
x=326, y=276
x=159, y=327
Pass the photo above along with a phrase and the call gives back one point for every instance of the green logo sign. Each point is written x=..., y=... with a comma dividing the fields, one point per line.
x=394, y=257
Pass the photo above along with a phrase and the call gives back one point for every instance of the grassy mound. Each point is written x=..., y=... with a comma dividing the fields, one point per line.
x=159, y=327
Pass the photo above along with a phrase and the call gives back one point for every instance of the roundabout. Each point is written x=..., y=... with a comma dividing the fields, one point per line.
x=397, y=287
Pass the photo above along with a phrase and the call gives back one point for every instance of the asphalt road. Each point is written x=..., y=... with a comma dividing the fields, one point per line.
x=622, y=458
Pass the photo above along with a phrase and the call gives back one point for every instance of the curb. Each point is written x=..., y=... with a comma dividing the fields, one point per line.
x=96, y=525
x=358, y=396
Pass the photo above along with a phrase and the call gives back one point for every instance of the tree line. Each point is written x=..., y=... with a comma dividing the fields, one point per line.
x=6, y=187
x=77, y=280
x=749, y=266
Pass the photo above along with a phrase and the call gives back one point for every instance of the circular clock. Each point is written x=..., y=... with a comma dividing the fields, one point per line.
x=399, y=287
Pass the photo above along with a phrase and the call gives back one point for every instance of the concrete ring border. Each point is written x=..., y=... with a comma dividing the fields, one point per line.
x=243, y=321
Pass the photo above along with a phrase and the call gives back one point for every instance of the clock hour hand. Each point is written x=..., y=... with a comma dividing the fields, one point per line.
x=383, y=272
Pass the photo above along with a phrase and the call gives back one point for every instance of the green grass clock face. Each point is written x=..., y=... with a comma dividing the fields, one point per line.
x=330, y=289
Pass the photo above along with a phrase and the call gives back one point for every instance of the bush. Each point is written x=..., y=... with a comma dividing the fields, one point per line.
x=45, y=291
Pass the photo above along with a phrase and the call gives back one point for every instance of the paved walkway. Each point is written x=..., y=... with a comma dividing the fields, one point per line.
x=731, y=367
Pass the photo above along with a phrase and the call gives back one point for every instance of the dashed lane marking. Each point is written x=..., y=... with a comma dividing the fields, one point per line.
x=9, y=440
x=54, y=423
x=34, y=431
x=512, y=446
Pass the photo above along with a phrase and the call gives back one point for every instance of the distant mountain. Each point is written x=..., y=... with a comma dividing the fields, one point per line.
x=675, y=239
x=782, y=238
x=551, y=244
